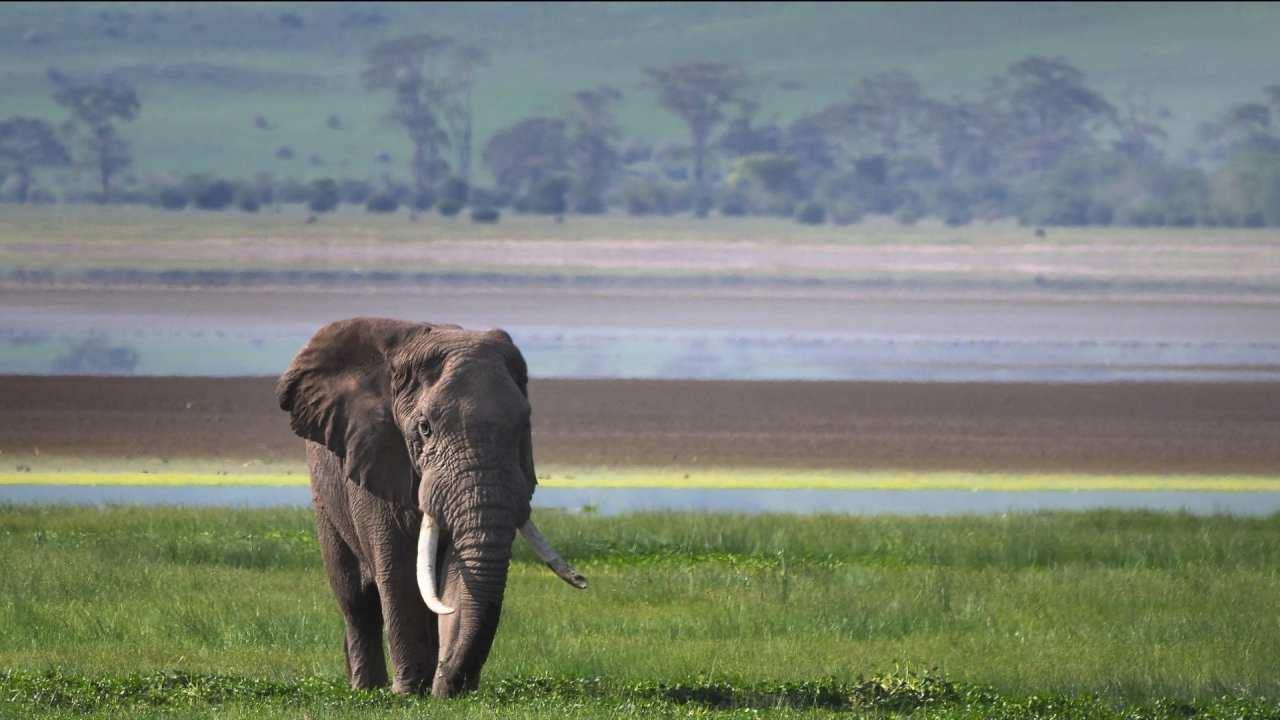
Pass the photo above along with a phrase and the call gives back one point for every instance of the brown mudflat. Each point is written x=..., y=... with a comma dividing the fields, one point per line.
x=1111, y=427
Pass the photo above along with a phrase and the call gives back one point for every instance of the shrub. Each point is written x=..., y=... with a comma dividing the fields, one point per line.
x=382, y=202
x=448, y=208
x=733, y=205
x=352, y=191
x=484, y=197
x=455, y=189
x=323, y=195
x=422, y=199
x=548, y=196
x=248, y=200
x=485, y=215
x=811, y=213
x=212, y=194
x=642, y=197
x=172, y=198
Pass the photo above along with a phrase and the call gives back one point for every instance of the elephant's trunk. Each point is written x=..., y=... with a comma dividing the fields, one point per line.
x=476, y=581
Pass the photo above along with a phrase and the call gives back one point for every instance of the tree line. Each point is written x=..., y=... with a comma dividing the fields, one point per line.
x=1037, y=143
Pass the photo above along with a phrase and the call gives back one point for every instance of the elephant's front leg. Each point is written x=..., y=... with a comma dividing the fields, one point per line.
x=391, y=543
x=361, y=607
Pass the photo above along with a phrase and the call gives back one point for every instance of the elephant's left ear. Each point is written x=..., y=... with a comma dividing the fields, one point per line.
x=520, y=373
x=338, y=393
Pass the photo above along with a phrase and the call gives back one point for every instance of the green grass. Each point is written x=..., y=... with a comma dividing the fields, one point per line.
x=1131, y=607
x=206, y=70
x=651, y=477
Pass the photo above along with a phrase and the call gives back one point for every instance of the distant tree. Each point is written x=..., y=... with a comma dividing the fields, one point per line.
x=430, y=80
x=699, y=93
x=95, y=108
x=456, y=100
x=888, y=114
x=1052, y=113
x=1046, y=95
x=1140, y=129
x=968, y=136
x=322, y=195
x=742, y=137
x=806, y=141
x=25, y=144
x=527, y=153
x=592, y=146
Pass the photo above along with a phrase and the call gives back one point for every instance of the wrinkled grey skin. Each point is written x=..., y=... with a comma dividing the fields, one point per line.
x=405, y=418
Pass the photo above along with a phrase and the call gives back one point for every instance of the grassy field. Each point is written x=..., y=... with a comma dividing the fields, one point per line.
x=1082, y=612
x=204, y=71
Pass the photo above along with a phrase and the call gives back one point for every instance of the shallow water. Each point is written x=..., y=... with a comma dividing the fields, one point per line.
x=580, y=335
x=685, y=355
x=608, y=501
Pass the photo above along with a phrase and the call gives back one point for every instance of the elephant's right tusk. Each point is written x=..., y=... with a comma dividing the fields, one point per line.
x=550, y=556
x=428, y=543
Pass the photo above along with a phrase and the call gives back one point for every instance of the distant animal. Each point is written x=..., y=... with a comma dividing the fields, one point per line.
x=1040, y=232
x=421, y=460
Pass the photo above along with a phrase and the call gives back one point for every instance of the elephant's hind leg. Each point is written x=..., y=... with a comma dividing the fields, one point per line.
x=361, y=607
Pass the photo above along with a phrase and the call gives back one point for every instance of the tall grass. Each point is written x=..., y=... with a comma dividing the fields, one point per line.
x=1134, y=607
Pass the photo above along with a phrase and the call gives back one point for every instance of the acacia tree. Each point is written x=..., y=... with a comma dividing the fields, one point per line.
x=699, y=93
x=527, y=153
x=456, y=101
x=594, y=135
x=887, y=114
x=430, y=80
x=27, y=143
x=95, y=108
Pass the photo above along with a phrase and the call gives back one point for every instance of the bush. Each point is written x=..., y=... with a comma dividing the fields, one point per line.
x=352, y=191
x=811, y=213
x=642, y=197
x=382, y=202
x=422, y=199
x=702, y=206
x=455, y=189
x=323, y=195
x=449, y=208
x=212, y=194
x=548, y=196
x=248, y=201
x=486, y=215
x=172, y=198
x=733, y=205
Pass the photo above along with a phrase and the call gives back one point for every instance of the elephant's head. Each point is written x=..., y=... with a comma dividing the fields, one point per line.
x=435, y=417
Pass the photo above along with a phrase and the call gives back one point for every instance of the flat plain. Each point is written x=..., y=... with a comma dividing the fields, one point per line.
x=226, y=613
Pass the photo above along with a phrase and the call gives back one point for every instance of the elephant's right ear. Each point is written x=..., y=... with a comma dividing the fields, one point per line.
x=338, y=393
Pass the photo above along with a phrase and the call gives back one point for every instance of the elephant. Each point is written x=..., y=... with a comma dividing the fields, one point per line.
x=420, y=452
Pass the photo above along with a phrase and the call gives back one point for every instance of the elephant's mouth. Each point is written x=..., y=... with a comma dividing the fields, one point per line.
x=429, y=544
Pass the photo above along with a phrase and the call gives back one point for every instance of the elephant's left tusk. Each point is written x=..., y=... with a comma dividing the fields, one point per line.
x=549, y=556
x=428, y=543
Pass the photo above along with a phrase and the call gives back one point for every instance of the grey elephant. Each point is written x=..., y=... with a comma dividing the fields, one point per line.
x=421, y=460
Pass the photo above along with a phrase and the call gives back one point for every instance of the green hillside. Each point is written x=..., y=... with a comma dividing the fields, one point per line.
x=205, y=70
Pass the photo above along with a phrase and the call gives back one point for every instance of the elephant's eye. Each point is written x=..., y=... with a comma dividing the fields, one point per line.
x=424, y=428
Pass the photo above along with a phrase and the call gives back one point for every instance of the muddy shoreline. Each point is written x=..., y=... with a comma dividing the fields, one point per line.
x=1102, y=427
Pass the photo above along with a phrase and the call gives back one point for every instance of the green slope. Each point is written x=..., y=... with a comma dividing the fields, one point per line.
x=205, y=69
